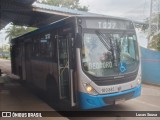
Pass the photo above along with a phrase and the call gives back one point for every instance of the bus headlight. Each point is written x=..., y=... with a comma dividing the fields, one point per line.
x=139, y=80
x=89, y=89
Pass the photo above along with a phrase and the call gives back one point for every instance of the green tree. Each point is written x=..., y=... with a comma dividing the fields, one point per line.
x=15, y=31
x=155, y=39
x=71, y=4
x=155, y=42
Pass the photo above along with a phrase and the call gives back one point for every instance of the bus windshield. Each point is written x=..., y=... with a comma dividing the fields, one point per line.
x=105, y=54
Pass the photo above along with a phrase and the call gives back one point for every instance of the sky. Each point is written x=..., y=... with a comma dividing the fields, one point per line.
x=3, y=36
x=133, y=9
x=136, y=10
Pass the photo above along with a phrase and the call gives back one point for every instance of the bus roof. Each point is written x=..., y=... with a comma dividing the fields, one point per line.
x=60, y=23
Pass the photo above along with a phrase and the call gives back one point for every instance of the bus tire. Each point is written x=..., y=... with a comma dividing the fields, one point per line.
x=52, y=90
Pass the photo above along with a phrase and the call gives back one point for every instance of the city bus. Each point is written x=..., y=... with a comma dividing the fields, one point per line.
x=81, y=61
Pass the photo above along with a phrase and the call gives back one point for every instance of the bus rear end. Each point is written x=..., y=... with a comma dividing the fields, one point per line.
x=108, y=62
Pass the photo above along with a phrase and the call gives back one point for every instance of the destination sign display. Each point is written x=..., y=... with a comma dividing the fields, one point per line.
x=108, y=24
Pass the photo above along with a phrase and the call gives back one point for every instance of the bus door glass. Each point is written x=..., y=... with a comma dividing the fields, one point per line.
x=63, y=67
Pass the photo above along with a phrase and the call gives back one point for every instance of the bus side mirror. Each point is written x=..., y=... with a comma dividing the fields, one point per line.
x=78, y=41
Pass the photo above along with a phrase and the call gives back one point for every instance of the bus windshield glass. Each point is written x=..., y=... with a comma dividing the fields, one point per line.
x=107, y=54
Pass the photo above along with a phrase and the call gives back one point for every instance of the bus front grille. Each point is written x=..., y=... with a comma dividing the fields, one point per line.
x=112, y=81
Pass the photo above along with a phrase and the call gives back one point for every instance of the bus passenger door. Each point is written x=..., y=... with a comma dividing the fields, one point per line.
x=66, y=84
x=63, y=68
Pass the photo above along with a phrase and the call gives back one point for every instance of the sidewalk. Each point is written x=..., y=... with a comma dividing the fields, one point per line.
x=14, y=97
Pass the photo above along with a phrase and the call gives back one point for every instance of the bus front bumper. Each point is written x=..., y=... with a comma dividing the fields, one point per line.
x=88, y=101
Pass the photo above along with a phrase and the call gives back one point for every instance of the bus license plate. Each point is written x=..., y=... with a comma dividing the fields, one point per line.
x=119, y=101
x=108, y=90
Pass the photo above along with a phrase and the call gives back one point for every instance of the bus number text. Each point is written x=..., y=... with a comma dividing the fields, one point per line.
x=108, y=90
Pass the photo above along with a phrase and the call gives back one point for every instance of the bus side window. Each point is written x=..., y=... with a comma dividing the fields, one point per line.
x=45, y=46
x=35, y=48
x=16, y=50
x=54, y=49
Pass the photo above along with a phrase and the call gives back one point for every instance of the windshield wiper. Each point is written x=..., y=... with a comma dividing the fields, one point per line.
x=107, y=42
x=104, y=40
x=113, y=47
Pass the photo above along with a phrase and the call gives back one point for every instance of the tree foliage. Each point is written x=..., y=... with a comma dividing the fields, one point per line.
x=15, y=31
x=155, y=39
x=155, y=42
x=71, y=4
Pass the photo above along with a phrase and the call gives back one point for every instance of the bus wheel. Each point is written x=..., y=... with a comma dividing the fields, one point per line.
x=52, y=91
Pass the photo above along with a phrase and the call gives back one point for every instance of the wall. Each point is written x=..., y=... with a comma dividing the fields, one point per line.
x=150, y=66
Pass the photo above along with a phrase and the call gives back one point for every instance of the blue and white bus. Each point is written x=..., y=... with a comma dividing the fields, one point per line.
x=82, y=61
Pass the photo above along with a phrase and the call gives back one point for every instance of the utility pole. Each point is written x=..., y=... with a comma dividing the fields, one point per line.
x=150, y=31
x=154, y=19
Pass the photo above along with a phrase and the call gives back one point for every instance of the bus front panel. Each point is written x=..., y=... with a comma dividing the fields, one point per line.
x=108, y=63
